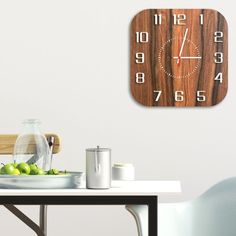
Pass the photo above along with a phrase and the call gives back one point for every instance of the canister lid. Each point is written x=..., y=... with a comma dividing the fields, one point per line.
x=98, y=149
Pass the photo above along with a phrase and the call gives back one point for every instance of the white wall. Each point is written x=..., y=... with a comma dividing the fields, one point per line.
x=67, y=63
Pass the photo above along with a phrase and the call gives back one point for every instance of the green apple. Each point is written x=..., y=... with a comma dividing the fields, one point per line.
x=33, y=169
x=2, y=170
x=34, y=172
x=40, y=172
x=15, y=164
x=9, y=169
x=16, y=172
x=24, y=168
x=53, y=172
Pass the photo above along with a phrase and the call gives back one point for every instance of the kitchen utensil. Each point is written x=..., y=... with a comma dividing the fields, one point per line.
x=98, y=168
x=69, y=181
x=123, y=171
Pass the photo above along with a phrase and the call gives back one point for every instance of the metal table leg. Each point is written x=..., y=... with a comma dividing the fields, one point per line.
x=43, y=218
x=150, y=201
x=25, y=219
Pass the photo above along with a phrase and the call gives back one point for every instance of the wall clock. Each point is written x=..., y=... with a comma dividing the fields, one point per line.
x=179, y=57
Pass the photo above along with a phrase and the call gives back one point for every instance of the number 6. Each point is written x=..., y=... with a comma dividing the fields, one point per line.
x=179, y=96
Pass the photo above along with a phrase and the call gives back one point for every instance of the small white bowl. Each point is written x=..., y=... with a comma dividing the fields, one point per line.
x=123, y=171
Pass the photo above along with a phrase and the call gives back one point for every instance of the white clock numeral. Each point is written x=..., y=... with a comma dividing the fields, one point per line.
x=219, y=77
x=141, y=37
x=157, y=19
x=179, y=19
x=158, y=95
x=139, y=57
x=179, y=96
x=201, y=19
x=201, y=96
x=218, y=37
x=218, y=57
x=140, y=78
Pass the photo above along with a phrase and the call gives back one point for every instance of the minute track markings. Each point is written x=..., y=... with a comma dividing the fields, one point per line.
x=168, y=73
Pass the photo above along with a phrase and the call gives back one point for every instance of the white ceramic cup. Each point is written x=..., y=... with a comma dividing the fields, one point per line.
x=123, y=171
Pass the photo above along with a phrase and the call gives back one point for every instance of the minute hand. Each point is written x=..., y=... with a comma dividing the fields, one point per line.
x=182, y=46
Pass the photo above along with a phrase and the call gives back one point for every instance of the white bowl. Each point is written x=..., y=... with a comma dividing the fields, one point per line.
x=123, y=171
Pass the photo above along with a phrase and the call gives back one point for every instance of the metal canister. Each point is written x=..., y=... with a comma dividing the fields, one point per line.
x=98, y=168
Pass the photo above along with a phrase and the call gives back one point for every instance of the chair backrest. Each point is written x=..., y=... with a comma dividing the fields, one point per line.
x=211, y=214
x=215, y=210
x=7, y=142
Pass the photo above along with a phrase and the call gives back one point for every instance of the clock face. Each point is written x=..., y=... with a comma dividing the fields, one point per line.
x=179, y=57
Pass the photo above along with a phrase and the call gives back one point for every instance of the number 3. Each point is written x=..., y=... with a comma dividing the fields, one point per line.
x=218, y=57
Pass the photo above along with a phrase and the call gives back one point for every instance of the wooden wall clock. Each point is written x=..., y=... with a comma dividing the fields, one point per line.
x=179, y=57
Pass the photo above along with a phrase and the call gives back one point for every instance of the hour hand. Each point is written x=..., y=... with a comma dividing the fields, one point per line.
x=197, y=57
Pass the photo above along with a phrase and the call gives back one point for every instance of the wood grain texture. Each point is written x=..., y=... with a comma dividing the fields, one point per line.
x=7, y=142
x=162, y=73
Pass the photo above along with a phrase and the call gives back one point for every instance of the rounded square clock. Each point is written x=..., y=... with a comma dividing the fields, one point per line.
x=179, y=57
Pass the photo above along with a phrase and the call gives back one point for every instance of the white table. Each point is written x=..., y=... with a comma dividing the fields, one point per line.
x=129, y=193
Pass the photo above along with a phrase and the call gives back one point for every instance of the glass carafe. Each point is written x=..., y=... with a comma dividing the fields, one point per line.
x=31, y=146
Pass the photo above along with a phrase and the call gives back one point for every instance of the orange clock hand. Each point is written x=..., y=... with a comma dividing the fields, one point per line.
x=178, y=60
